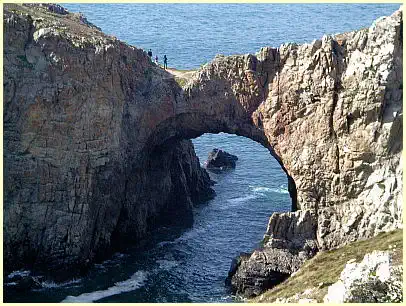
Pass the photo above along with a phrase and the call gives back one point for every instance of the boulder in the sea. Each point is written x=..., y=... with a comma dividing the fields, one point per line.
x=234, y=266
x=219, y=159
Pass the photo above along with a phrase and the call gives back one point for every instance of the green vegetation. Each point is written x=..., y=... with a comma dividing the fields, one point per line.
x=181, y=81
x=325, y=268
x=182, y=70
x=264, y=241
x=181, y=76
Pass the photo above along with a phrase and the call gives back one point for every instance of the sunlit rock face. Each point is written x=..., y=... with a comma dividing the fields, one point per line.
x=331, y=112
x=93, y=130
x=374, y=280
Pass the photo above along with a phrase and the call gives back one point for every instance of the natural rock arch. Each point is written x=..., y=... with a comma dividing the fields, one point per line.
x=193, y=125
x=83, y=110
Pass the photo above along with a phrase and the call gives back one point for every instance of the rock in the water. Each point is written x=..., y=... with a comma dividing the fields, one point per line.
x=250, y=275
x=339, y=147
x=290, y=240
x=235, y=264
x=219, y=159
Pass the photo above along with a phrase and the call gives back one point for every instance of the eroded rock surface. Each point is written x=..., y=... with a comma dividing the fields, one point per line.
x=89, y=124
x=374, y=280
x=331, y=112
x=79, y=107
x=289, y=241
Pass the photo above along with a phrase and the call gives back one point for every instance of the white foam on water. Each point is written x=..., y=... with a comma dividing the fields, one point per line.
x=51, y=284
x=20, y=273
x=136, y=281
x=282, y=189
x=190, y=234
x=165, y=264
x=119, y=255
x=242, y=199
x=99, y=266
x=162, y=243
x=263, y=190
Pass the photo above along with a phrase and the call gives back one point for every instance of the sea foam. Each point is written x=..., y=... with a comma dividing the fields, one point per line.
x=136, y=281
x=242, y=199
x=282, y=189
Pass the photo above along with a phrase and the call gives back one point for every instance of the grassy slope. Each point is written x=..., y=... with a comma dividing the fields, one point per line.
x=326, y=267
x=181, y=76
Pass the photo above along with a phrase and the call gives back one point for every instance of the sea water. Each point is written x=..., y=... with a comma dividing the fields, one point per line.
x=191, y=264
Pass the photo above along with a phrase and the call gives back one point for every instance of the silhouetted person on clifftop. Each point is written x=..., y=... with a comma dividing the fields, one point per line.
x=150, y=54
x=165, y=62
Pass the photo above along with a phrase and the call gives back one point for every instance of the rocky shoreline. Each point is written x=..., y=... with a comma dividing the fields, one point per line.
x=96, y=149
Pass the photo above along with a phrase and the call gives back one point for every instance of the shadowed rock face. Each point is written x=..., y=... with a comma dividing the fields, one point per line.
x=78, y=109
x=93, y=131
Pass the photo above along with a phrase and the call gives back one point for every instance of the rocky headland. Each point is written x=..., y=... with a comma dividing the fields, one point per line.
x=96, y=149
x=80, y=178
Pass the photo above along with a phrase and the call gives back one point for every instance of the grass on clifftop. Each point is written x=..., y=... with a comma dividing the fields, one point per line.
x=327, y=266
x=181, y=76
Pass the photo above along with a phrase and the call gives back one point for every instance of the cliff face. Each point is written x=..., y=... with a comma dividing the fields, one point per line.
x=93, y=129
x=78, y=107
x=331, y=111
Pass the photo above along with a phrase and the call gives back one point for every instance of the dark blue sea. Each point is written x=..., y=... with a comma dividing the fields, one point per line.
x=190, y=264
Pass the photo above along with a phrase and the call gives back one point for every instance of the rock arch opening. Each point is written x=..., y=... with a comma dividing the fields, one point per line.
x=193, y=125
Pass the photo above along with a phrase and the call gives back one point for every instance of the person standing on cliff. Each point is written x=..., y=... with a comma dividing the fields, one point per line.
x=150, y=54
x=156, y=60
x=165, y=62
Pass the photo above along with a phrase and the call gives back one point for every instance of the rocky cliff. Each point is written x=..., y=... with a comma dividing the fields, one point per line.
x=78, y=108
x=89, y=121
x=331, y=112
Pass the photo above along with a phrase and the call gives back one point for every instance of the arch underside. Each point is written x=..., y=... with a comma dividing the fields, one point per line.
x=192, y=125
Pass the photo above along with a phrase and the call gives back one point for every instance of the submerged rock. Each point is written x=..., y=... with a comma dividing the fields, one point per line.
x=219, y=159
